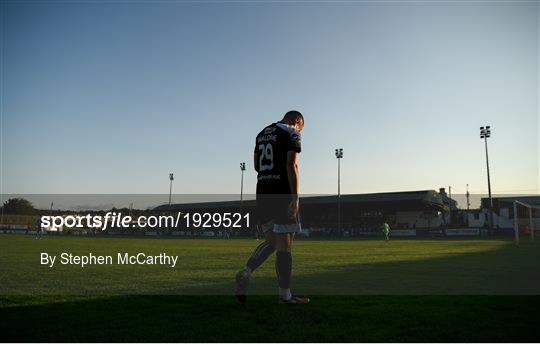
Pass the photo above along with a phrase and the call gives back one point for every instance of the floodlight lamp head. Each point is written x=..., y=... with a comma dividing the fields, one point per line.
x=485, y=132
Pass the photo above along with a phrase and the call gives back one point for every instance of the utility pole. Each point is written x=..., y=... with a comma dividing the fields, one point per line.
x=468, y=200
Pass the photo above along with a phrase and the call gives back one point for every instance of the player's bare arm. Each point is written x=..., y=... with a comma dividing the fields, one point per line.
x=293, y=176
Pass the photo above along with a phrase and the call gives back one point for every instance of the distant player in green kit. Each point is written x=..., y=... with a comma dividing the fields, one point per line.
x=386, y=231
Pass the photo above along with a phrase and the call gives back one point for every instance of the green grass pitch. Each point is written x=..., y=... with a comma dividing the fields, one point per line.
x=361, y=290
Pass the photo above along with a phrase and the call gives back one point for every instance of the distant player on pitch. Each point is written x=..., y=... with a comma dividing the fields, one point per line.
x=276, y=160
x=386, y=231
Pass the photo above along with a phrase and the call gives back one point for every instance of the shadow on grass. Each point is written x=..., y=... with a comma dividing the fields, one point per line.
x=330, y=317
x=507, y=270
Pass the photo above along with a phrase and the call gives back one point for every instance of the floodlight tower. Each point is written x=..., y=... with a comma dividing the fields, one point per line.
x=339, y=156
x=242, y=169
x=485, y=133
x=171, y=178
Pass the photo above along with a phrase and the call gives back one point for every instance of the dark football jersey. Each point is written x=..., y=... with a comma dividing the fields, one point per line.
x=271, y=147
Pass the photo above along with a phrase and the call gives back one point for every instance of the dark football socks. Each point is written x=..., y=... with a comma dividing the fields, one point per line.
x=259, y=256
x=284, y=269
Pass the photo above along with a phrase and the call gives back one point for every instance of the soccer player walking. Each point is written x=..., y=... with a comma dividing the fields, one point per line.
x=276, y=161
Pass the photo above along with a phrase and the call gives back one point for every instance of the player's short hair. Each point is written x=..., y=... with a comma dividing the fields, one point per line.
x=292, y=115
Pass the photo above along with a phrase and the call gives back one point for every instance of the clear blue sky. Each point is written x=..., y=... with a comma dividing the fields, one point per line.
x=111, y=97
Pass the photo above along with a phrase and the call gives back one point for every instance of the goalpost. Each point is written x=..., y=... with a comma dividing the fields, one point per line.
x=530, y=208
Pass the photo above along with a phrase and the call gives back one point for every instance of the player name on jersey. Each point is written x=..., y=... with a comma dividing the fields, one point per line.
x=266, y=138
